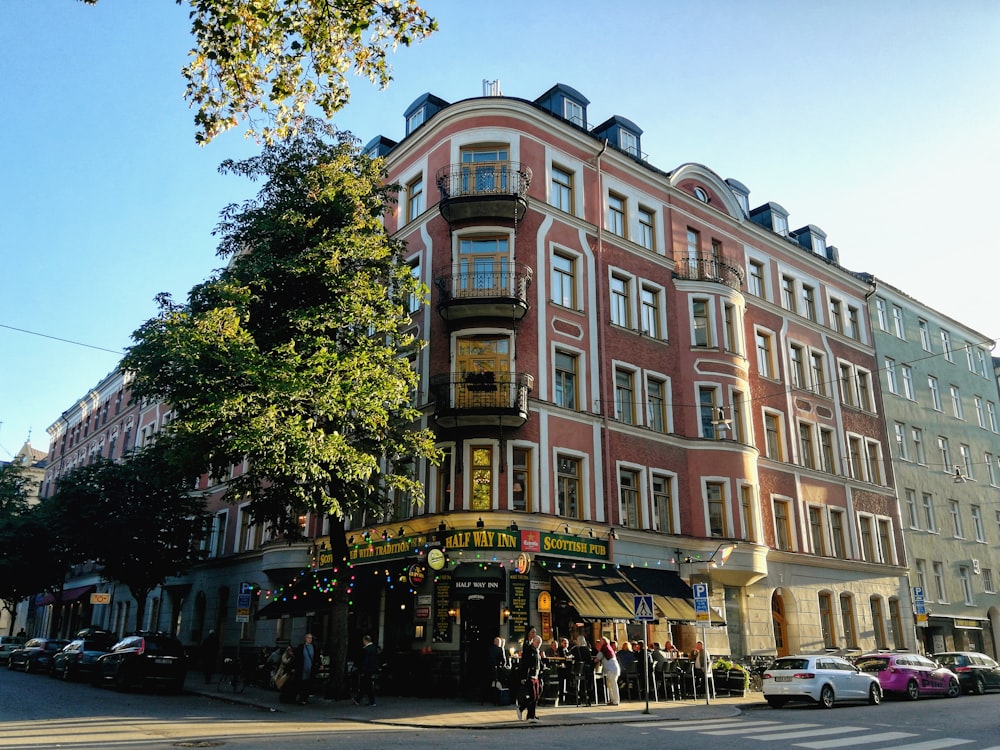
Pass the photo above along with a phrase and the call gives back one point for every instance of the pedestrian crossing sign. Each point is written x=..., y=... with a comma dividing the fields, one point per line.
x=642, y=606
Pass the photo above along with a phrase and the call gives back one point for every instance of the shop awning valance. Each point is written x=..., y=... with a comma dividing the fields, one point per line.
x=672, y=598
x=597, y=596
x=68, y=596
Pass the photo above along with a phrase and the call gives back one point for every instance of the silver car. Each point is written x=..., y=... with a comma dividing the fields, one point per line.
x=7, y=644
x=822, y=679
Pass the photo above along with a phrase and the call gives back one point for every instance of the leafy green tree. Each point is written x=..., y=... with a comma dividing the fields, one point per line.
x=135, y=518
x=294, y=357
x=273, y=58
x=14, y=484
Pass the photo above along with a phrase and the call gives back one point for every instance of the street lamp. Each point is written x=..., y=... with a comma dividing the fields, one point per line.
x=716, y=560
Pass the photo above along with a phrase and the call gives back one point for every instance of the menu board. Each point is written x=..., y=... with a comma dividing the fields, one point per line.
x=517, y=600
x=442, y=603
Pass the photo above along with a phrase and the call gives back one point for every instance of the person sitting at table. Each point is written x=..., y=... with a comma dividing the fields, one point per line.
x=659, y=658
x=625, y=655
x=552, y=650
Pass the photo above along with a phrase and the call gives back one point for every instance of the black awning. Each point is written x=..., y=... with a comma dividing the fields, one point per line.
x=672, y=598
x=601, y=595
x=68, y=596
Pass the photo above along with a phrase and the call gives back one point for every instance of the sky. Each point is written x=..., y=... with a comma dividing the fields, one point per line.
x=877, y=121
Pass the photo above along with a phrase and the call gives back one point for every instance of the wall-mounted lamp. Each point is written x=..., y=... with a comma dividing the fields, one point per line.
x=453, y=613
x=505, y=613
x=350, y=539
x=401, y=531
x=613, y=534
x=479, y=523
x=386, y=536
x=442, y=527
x=721, y=423
x=513, y=526
x=589, y=530
x=566, y=527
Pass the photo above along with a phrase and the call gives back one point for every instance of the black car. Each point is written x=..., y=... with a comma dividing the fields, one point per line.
x=144, y=660
x=976, y=672
x=35, y=655
x=79, y=657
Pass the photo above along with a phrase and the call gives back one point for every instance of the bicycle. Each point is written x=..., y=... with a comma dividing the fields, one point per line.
x=232, y=676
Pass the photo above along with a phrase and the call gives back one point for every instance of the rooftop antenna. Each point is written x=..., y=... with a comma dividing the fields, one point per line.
x=492, y=88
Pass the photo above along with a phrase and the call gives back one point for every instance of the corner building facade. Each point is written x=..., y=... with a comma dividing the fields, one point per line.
x=630, y=370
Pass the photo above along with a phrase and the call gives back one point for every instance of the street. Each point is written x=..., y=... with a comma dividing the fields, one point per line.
x=37, y=712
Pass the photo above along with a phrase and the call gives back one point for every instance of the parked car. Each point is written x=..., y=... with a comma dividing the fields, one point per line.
x=35, y=655
x=144, y=660
x=976, y=672
x=78, y=658
x=823, y=679
x=7, y=644
x=909, y=675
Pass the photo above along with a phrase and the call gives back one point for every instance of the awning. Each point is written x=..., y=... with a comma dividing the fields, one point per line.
x=672, y=598
x=597, y=596
x=68, y=596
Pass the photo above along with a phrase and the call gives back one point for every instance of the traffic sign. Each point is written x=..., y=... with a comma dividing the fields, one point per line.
x=642, y=606
x=701, y=611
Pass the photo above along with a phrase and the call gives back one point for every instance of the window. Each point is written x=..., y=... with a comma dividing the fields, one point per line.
x=755, y=278
x=966, y=583
x=966, y=453
x=988, y=581
x=848, y=390
x=616, y=214
x=620, y=302
x=693, y=252
x=701, y=323
x=970, y=357
x=624, y=396
x=484, y=170
x=878, y=622
x=897, y=322
x=788, y=293
x=927, y=501
x=484, y=266
x=837, y=538
x=826, y=620
x=747, y=510
x=854, y=457
x=663, y=505
x=415, y=120
x=885, y=541
x=816, y=536
x=920, y=566
x=932, y=384
x=981, y=357
x=562, y=189
x=892, y=381
x=628, y=142
x=837, y=315
x=847, y=620
x=910, y=501
x=882, y=314
x=415, y=302
x=939, y=589
x=980, y=411
x=991, y=468
x=782, y=526
x=564, y=280
x=907, y=372
x=817, y=373
x=991, y=414
x=715, y=493
x=647, y=233
x=628, y=488
x=565, y=379
x=415, y=199
x=925, y=335
x=865, y=391
x=737, y=412
x=867, y=538
x=944, y=451
x=521, y=464
x=573, y=112
x=946, y=345
x=956, y=402
x=650, y=312
x=798, y=366
x=956, y=519
x=772, y=436
x=730, y=328
x=854, y=322
x=656, y=404
x=481, y=492
x=806, y=451
x=873, y=453
x=826, y=455
x=977, y=523
x=568, y=487
x=918, y=446
x=899, y=432
x=765, y=355
x=809, y=302
x=707, y=409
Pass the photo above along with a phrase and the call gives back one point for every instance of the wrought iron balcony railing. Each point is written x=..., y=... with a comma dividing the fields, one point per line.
x=482, y=189
x=481, y=398
x=709, y=268
x=489, y=288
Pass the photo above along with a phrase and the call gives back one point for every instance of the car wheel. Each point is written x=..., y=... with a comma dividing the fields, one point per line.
x=979, y=686
x=28, y=669
x=66, y=674
x=874, y=695
x=826, y=696
x=776, y=702
x=954, y=689
x=912, y=690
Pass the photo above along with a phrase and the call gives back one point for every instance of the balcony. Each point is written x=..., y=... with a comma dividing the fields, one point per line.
x=709, y=268
x=494, y=288
x=484, y=190
x=481, y=398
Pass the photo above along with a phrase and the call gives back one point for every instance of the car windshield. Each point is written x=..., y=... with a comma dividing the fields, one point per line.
x=951, y=660
x=873, y=664
x=789, y=663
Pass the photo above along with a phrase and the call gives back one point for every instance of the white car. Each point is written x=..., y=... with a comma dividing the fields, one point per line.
x=823, y=679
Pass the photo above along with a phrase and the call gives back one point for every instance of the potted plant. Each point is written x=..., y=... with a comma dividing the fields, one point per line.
x=732, y=677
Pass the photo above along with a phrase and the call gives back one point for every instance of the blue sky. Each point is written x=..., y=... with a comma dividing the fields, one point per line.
x=876, y=121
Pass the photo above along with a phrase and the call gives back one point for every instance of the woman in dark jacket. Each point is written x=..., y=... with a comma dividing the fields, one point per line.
x=529, y=672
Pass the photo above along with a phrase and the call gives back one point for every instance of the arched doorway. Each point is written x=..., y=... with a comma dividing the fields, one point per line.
x=778, y=624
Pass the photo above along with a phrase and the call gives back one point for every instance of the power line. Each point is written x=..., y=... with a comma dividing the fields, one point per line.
x=65, y=341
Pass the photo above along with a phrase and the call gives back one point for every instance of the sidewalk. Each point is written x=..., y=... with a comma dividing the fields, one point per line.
x=438, y=713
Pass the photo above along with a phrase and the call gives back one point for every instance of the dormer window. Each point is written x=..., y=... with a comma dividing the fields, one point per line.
x=628, y=142
x=415, y=120
x=819, y=245
x=573, y=112
x=780, y=224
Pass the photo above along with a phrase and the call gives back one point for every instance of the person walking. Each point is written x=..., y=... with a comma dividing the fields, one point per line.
x=306, y=665
x=209, y=654
x=369, y=668
x=611, y=669
x=529, y=673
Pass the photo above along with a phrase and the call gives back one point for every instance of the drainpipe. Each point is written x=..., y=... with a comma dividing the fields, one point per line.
x=600, y=332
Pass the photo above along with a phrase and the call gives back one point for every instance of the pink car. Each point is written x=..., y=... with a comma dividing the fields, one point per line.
x=910, y=675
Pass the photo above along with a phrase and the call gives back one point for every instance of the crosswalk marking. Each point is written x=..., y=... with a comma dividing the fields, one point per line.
x=933, y=744
x=781, y=734
x=777, y=725
x=866, y=740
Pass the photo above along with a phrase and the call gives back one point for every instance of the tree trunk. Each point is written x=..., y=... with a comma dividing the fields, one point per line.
x=140, y=595
x=340, y=686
